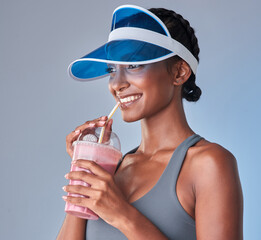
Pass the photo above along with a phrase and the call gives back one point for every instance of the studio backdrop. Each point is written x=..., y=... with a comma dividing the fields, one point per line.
x=41, y=104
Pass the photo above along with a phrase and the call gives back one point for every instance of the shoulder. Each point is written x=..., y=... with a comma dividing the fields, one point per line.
x=212, y=157
x=213, y=166
x=217, y=189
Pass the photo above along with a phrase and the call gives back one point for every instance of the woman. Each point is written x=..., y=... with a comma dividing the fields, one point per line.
x=175, y=184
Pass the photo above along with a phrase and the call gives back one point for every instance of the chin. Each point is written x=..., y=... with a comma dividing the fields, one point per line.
x=130, y=118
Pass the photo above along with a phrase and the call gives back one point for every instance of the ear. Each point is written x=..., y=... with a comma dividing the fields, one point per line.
x=182, y=73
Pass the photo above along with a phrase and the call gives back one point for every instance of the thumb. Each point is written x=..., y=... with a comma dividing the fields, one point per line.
x=107, y=133
x=109, y=125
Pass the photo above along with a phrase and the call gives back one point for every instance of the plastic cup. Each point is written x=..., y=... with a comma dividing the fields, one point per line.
x=107, y=154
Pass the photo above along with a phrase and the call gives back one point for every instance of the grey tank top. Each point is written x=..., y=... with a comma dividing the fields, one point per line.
x=160, y=205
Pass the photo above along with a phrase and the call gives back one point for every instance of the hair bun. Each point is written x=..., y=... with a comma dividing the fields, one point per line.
x=190, y=91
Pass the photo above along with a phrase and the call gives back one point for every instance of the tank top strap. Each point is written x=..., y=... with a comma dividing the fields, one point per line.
x=171, y=173
x=179, y=155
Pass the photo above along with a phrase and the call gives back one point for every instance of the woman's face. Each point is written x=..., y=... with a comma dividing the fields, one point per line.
x=143, y=90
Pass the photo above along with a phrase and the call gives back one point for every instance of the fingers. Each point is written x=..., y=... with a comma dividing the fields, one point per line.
x=83, y=176
x=99, y=122
x=108, y=126
x=79, y=201
x=108, y=129
x=92, y=194
x=93, y=167
x=81, y=190
x=70, y=138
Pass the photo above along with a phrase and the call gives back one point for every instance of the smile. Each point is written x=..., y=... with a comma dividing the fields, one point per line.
x=129, y=99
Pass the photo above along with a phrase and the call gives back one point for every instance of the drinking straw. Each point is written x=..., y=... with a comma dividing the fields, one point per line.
x=109, y=117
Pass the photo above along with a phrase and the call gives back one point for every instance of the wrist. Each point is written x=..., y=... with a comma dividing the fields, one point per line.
x=127, y=221
x=134, y=225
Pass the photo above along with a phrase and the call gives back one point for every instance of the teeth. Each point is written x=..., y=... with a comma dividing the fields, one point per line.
x=129, y=99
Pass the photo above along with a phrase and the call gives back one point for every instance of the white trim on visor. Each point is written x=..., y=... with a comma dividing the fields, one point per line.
x=156, y=39
x=146, y=11
x=113, y=62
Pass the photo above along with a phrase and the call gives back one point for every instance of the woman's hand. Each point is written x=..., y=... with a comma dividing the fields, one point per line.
x=99, y=122
x=103, y=196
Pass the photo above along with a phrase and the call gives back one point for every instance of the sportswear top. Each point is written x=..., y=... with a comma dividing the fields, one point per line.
x=160, y=205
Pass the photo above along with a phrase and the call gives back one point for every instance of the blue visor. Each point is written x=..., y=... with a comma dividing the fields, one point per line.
x=137, y=37
x=94, y=64
x=132, y=16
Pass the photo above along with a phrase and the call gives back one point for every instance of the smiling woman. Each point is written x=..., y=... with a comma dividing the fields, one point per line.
x=175, y=184
x=150, y=85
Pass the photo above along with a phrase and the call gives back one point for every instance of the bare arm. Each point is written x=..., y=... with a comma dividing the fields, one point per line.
x=136, y=226
x=219, y=200
x=73, y=228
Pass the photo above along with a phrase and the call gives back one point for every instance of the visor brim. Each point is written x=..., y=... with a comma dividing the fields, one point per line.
x=94, y=65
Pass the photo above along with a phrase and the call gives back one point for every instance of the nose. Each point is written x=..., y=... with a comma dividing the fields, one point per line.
x=118, y=81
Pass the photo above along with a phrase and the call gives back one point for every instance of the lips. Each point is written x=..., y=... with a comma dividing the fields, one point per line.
x=127, y=100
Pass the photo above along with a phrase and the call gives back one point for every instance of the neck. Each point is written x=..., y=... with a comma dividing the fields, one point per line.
x=165, y=130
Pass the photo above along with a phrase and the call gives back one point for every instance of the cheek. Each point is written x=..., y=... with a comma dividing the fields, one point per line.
x=159, y=85
x=158, y=98
x=160, y=93
x=111, y=90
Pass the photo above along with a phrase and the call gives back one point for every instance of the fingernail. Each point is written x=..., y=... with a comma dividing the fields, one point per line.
x=91, y=124
x=77, y=131
x=64, y=197
x=74, y=161
x=66, y=176
x=102, y=122
x=64, y=188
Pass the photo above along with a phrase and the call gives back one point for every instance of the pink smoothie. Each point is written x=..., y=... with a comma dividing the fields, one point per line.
x=106, y=156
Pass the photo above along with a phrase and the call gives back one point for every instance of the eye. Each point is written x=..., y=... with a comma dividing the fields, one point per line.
x=110, y=69
x=135, y=66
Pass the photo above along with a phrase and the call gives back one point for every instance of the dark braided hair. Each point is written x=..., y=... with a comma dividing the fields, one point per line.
x=181, y=31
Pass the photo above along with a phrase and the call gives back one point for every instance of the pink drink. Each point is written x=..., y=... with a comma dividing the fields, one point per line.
x=106, y=156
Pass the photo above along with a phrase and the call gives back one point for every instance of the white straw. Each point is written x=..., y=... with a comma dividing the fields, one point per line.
x=109, y=117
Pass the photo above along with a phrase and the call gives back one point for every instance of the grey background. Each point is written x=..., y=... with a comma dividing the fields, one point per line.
x=40, y=104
